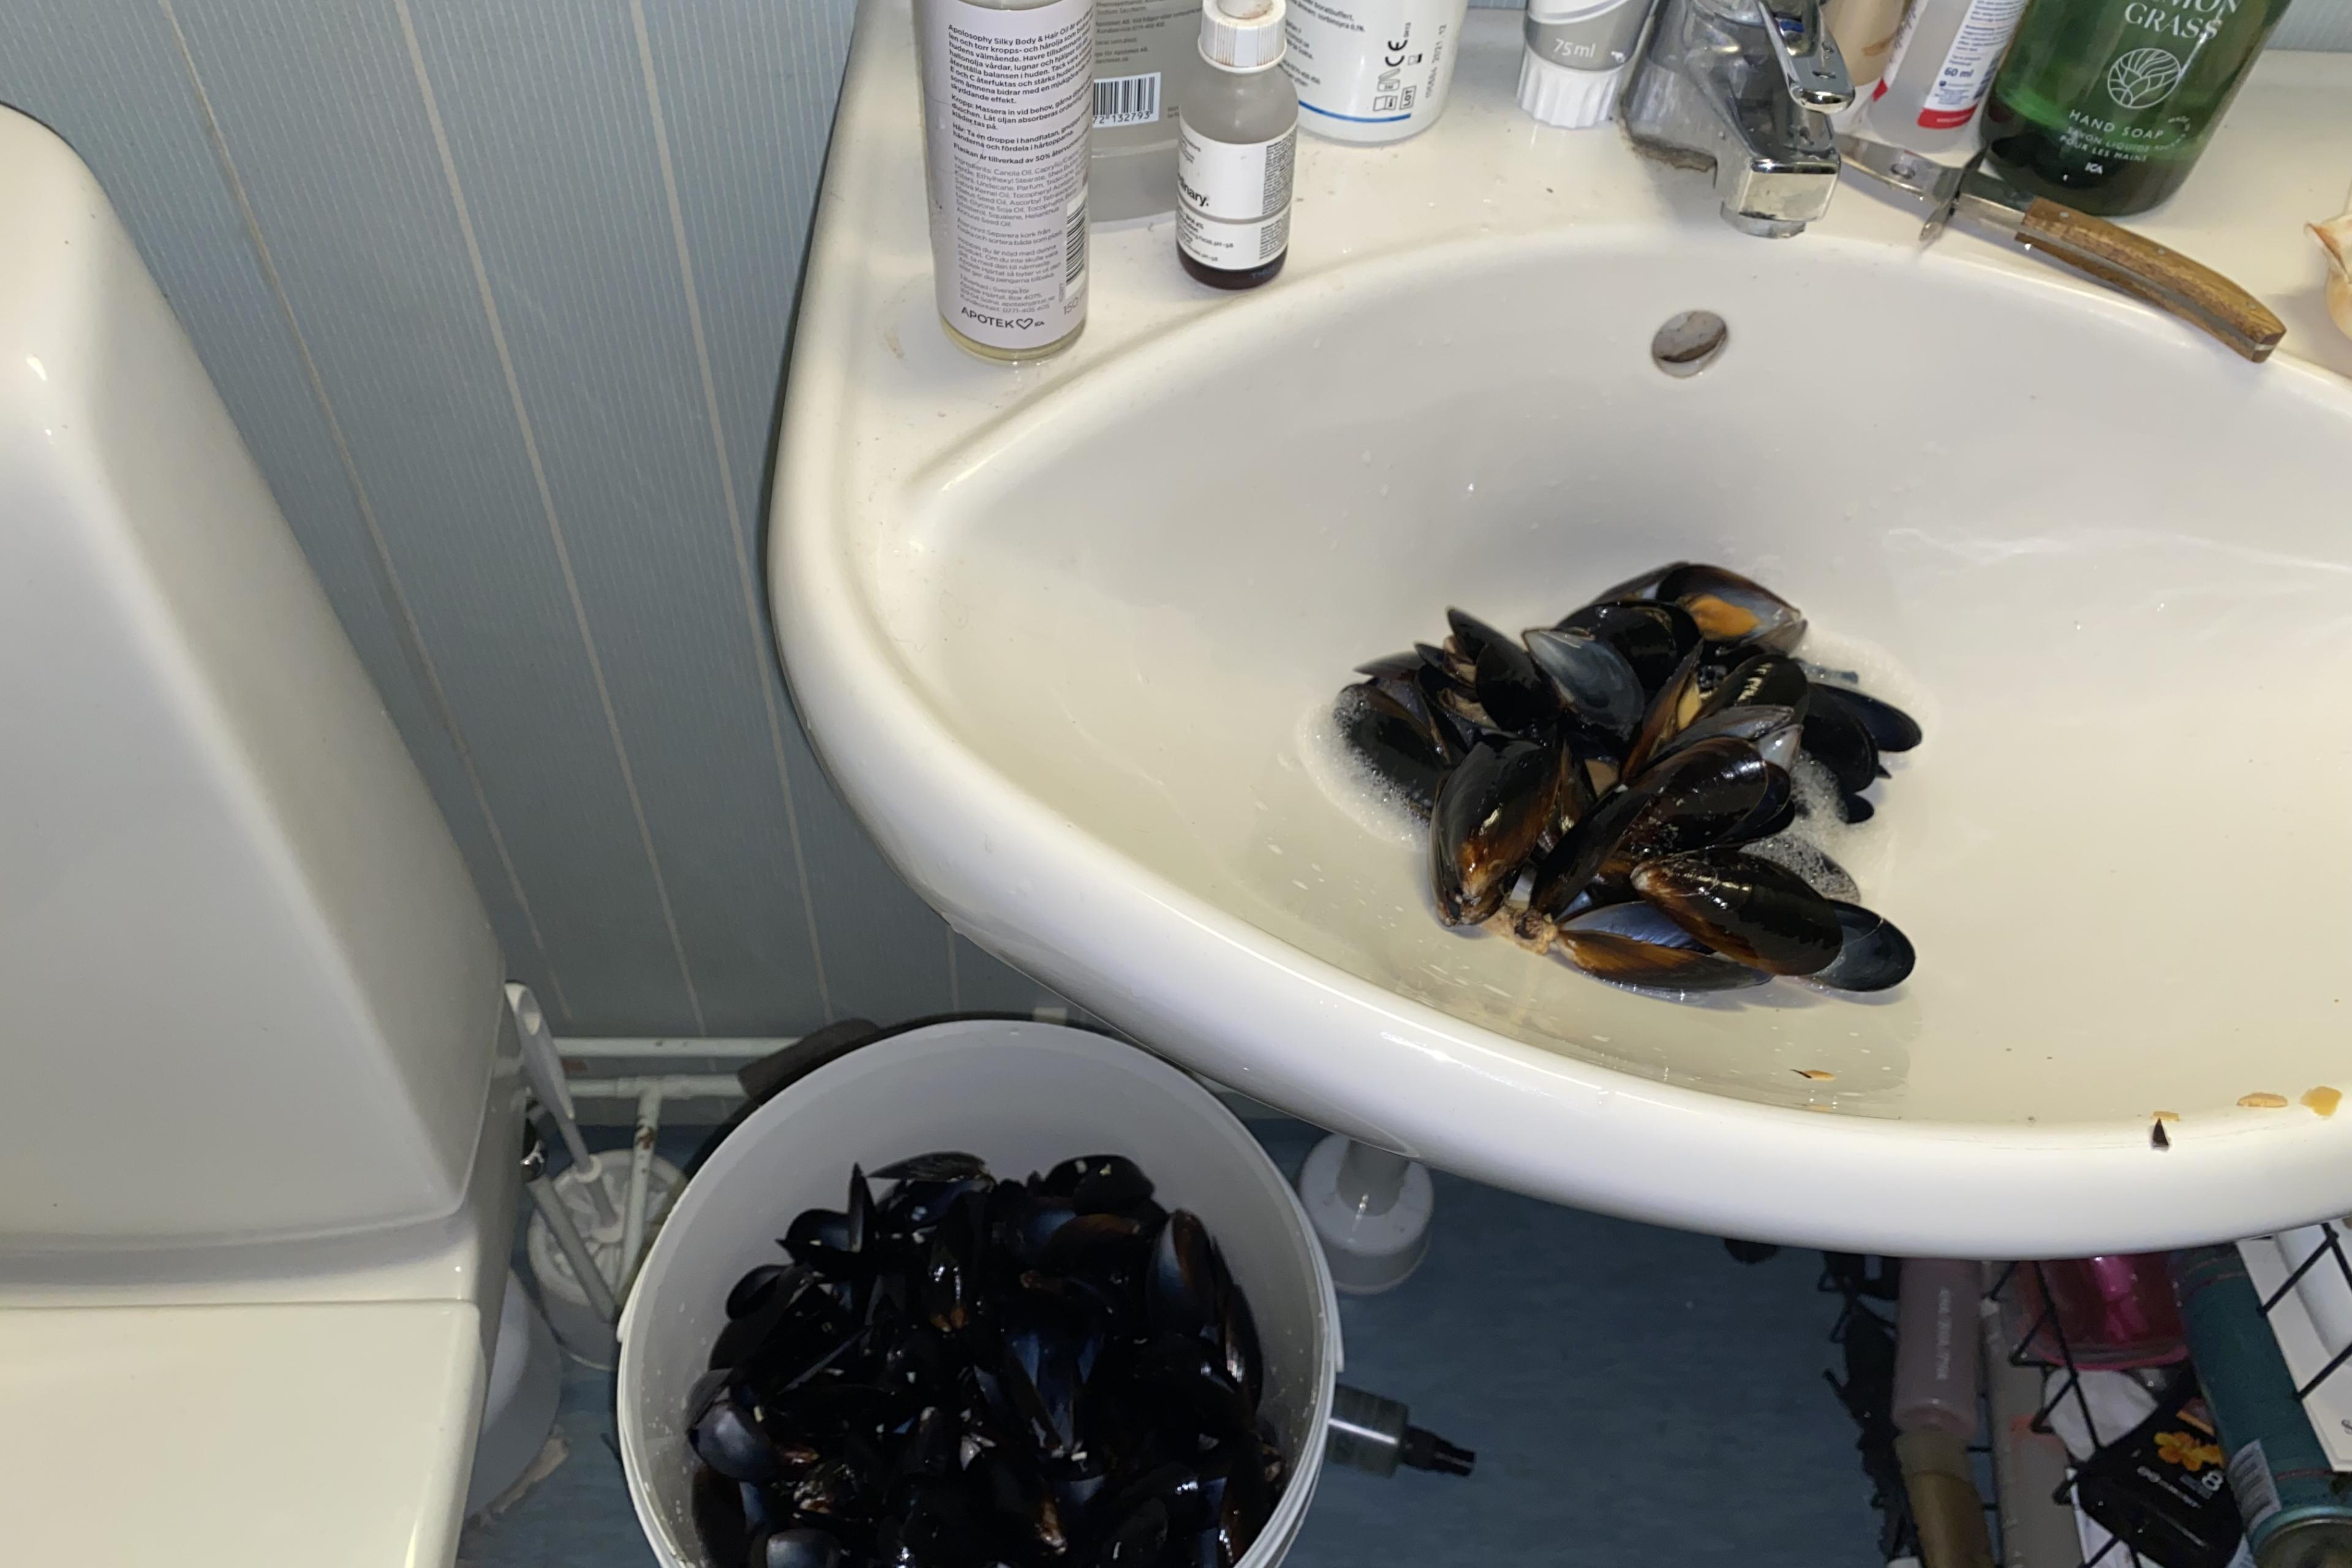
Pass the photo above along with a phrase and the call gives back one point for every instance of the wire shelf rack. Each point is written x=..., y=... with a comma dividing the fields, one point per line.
x=2285, y=1305
x=2304, y=1284
x=2064, y=1391
x=2326, y=1265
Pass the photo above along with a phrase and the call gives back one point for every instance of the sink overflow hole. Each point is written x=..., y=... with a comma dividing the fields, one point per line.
x=1689, y=343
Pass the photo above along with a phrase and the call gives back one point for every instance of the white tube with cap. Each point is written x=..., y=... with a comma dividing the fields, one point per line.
x=1576, y=56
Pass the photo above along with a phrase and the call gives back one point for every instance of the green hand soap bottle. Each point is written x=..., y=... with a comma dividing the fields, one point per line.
x=2104, y=105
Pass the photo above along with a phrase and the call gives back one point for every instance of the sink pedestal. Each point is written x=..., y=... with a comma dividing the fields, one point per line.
x=1371, y=1209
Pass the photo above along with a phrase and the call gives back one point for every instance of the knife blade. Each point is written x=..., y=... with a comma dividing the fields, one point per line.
x=2109, y=253
x=1935, y=185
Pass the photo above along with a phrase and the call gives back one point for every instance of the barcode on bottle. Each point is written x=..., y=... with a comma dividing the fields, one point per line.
x=2251, y=1483
x=1126, y=100
x=1073, y=247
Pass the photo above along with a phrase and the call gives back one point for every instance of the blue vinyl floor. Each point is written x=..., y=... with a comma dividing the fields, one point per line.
x=1637, y=1399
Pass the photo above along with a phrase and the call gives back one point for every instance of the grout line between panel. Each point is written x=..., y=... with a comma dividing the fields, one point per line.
x=412, y=639
x=547, y=502
x=764, y=653
x=955, y=977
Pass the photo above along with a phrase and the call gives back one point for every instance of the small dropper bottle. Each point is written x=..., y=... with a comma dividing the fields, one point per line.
x=1237, y=142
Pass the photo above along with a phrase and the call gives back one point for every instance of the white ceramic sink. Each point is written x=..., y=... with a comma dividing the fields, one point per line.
x=1060, y=633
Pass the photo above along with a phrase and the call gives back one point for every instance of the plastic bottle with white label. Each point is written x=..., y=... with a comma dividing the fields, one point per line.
x=1237, y=146
x=1373, y=70
x=1941, y=68
x=1142, y=49
x=1008, y=98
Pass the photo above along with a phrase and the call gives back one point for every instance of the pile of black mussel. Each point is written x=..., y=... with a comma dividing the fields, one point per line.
x=1621, y=789
x=965, y=1371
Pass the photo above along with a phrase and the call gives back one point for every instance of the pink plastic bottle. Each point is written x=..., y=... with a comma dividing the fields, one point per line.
x=2116, y=1311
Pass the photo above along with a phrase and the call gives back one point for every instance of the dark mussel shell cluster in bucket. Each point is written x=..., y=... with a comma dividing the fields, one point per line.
x=1621, y=789
x=965, y=1371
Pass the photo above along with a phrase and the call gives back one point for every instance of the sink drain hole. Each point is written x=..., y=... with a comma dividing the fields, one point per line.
x=1689, y=343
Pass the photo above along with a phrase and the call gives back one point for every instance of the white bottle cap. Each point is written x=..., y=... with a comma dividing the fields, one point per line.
x=1563, y=96
x=1242, y=35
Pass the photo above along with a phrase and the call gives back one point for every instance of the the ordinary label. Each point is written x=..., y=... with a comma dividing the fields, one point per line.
x=1233, y=198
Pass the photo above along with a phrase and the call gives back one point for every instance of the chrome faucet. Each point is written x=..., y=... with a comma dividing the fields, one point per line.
x=1744, y=87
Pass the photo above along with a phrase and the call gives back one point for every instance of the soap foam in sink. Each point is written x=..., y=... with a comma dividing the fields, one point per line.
x=1837, y=655
x=1805, y=846
x=1350, y=784
x=1862, y=848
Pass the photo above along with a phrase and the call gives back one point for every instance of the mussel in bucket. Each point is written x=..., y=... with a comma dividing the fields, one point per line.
x=954, y=1369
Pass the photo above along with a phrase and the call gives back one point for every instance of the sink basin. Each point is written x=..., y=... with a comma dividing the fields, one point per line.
x=1064, y=638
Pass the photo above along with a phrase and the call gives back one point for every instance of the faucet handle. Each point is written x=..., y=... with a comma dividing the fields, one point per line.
x=1808, y=56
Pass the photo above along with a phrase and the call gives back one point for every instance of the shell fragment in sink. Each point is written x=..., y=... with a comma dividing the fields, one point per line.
x=1619, y=789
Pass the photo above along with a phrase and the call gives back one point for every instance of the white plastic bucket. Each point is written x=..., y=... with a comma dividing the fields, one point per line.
x=1023, y=1096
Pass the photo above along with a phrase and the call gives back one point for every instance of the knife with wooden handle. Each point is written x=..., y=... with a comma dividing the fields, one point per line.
x=2130, y=263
